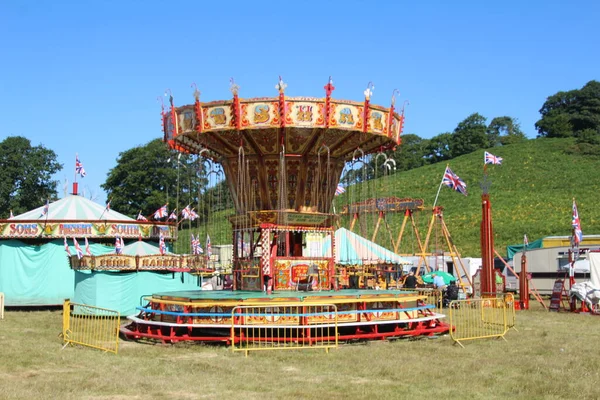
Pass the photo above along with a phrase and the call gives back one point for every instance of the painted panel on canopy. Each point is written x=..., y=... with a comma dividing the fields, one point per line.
x=217, y=117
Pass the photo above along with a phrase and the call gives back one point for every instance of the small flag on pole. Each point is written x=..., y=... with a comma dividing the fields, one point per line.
x=67, y=247
x=577, y=233
x=45, y=209
x=88, y=252
x=208, y=246
x=173, y=216
x=339, y=190
x=11, y=215
x=107, y=209
x=161, y=212
x=78, y=249
x=118, y=245
x=162, y=247
x=140, y=217
x=79, y=167
x=453, y=181
x=525, y=241
x=489, y=158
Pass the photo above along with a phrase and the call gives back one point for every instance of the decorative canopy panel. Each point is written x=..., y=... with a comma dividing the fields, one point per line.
x=282, y=153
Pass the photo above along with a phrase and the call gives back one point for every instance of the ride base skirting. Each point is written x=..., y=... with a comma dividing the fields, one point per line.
x=231, y=316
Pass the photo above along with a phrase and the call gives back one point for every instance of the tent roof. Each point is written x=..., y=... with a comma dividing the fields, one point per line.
x=76, y=208
x=351, y=248
x=140, y=248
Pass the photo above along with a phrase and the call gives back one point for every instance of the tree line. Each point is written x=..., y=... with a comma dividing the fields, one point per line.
x=146, y=177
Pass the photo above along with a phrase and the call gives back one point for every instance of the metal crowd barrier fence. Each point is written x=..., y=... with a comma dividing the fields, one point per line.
x=478, y=318
x=511, y=316
x=91, y=326
x=434, y=297
x=285, y=326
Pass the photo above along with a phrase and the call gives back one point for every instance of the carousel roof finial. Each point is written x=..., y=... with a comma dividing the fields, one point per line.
x=281, y=85
x=329, y=87
x=394, y=92
x=406, y=103
x=168, y=91
x=369, y=90
x=196, y=91
x=234, y=87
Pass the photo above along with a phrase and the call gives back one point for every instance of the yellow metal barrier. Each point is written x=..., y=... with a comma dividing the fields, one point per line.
x=1, y=305
x=285, y=326
x=434, y=297
x=478, y=319
x=91, y=326
x=511, y=317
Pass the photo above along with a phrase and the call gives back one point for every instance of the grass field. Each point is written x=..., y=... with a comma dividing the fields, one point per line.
x=551, y=356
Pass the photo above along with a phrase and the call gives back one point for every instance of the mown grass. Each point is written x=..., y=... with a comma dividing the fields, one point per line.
x=531, y=194
x=552, y=356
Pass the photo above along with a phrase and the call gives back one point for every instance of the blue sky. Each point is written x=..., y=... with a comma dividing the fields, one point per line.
x=84, y=77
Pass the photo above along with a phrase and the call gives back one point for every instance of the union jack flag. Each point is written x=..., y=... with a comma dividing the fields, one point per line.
x=577, y=233
x=189, y=213
x=173, y=215
x=107, y=209
x=525, y=240
x=87, y=248
x=11, y=215
x=161, y=212
x=162, y=247
x=489, y=158
x=196, y=248
x=67, y=247
x=140, y=217
x=118, y=245
x=78, y=249
x=79, y=167
x=452, y=180
x=339, y=190
x=46, y=208
x=208, y=246
x=186, y=212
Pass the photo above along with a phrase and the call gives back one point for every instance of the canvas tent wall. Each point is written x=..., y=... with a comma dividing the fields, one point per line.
x=33, y=275
x=352, y=249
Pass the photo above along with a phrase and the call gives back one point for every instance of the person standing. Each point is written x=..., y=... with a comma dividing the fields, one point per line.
x=439, y=282
x=410, y=282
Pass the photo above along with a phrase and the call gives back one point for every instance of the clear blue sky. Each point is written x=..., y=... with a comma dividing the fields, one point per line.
x=83, y=77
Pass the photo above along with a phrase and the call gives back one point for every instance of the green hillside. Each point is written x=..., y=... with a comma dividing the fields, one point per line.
x=531, y=193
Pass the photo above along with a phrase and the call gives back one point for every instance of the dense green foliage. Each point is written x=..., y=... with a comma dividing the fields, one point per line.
x=26, y=175
x=575, y=113
x=146, y=177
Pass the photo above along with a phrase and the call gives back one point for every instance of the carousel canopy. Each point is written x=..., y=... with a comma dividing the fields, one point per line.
x=73, y=207
x=352, y=249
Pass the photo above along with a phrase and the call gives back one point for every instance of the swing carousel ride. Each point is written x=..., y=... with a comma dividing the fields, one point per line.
x=282, y=158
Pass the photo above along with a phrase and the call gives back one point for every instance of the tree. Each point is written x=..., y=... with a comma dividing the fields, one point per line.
x=469, y=135
x=504, y=130
x=26, y=175
x=412, y=153
x=438, y=148
x=567, y=114
x=147, y=177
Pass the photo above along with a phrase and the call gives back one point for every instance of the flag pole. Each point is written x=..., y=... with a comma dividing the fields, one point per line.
x=440, y=187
